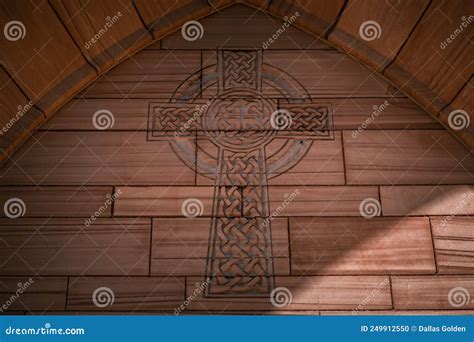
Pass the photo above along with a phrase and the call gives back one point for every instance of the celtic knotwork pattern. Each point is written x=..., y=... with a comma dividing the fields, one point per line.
x=230, y=201
x=240, y=69
x=242, y=260
x=239, y=120
x=311, y=118
x=226, y=115
x=171, y=118
x=253, y=201
x=241, y=168
x=177, y=119
x=237, y=201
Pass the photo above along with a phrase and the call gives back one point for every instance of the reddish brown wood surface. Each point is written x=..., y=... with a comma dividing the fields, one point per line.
x=379, y=46
x=50, y=79
x=106, y=32
x=47, y=77
x=104, y=208
x=434, y=70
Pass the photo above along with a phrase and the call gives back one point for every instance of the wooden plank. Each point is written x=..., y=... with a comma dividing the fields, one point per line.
x=96, y=158
x=197, y=267
x=129, y=114
x=308, y=293
x=219, y=31
x=149, y=74
x=60, y=246
x=377, y=52
x=433, y=70
x=463, y=101
x=314, y=16
x=326, y=73
x=206, y=159
x=32, y=293
x=361, y=246
x=317, y=73
x=349, y=114
x=432, y=292
x=18, y=116
x=177, y=238
x=454, y=244
x=427, y=200
x=105, y=31
x=406, y=157
x=59, y=201
x=129, y=293
x=57, y=76
x=374, y=114
x=180, y=246
x=161, y=201
x=162, y=17
x=320, y=200
x=322, y=164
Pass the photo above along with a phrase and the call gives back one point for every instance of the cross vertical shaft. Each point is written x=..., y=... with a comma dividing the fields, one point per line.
x=240, y=260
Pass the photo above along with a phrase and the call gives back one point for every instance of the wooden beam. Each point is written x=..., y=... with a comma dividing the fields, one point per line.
x=106, y=32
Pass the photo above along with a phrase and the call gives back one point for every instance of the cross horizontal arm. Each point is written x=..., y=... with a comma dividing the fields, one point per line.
x=308, y=120
x=174, y=119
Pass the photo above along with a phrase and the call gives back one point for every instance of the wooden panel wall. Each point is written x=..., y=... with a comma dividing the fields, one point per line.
x=153, y=258
x=408, y=52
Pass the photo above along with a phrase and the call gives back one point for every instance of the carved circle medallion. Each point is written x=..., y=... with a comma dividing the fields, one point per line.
x=239, y=120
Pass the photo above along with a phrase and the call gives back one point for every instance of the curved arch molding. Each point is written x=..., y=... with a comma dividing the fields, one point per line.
x=53, y=57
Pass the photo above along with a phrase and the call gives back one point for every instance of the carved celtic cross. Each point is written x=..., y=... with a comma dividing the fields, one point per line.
x=240, y=120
